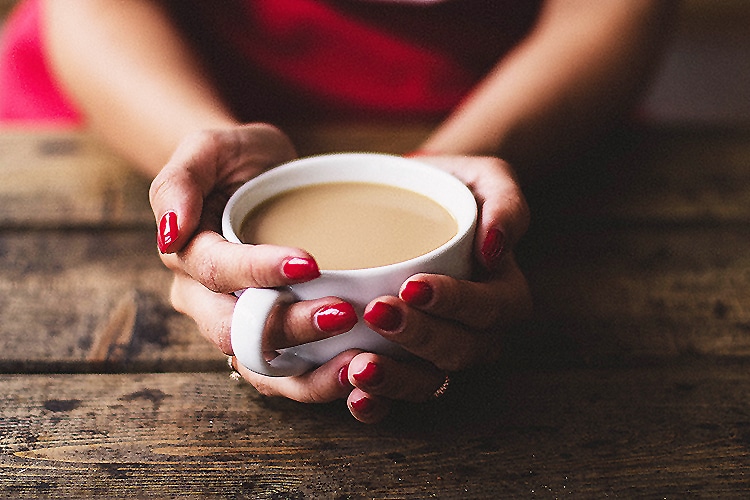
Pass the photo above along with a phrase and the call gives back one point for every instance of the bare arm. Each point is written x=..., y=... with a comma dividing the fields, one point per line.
x=137, y=82
x=583, y=65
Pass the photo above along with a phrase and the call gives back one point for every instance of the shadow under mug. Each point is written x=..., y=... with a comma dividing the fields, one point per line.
x=357, y=286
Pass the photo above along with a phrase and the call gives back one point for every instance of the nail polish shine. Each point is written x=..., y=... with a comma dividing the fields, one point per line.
x=168, y=232
x=493, y=247
x=336, y=317
x=300, y=269
x=417, y=293
x=371, y=375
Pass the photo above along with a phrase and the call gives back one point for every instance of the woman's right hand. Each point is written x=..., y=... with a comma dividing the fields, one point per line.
x=188, y=197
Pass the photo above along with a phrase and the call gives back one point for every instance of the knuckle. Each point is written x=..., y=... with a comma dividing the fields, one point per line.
x=223, y=336
x=219, y=331
x=313, y=395
x=205, y=139
x=259, y=275
x=461, y=356
x=157, y=186
x=209, y=271
x=264, y=388
x=270, y=134
x=452, y=295
x=454, y=363
x=208, y=275
x=167, y=179
x=417, y=339
x=493, y=315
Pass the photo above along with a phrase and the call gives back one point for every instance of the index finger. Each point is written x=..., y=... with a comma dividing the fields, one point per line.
x=225, y=267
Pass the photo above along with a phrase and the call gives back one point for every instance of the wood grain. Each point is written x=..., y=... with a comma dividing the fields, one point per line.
x=671, y=431
x=639, y=293
x=67, y=179
x=60, y=293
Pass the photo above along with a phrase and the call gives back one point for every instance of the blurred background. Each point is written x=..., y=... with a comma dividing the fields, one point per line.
x=705, y=76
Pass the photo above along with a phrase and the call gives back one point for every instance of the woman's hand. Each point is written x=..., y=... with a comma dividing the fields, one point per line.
x=449, y=324
x=188, y=197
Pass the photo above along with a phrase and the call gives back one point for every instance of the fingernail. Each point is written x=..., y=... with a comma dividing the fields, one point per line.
x=416, y=293
x=371, y=375
x=416, y=154
x=168, y=231
x=336, y=318
x=383, y=316
x=492, y=248
x=344, y=377
x=362, y=405
x=300, y=269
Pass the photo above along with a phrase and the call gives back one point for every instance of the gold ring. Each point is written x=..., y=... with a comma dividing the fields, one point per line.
x=234, y=374
x=440, y=391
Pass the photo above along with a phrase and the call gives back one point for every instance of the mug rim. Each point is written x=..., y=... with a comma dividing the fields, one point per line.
x=463, y=195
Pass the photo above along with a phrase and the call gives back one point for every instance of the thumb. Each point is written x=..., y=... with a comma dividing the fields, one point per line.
x=177, y=194
x=205, y=162
x=503, y=212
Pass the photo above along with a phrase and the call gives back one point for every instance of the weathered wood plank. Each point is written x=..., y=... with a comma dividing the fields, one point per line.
x=630, y=293
x=649, y=433
x=651, y=176
x=66, y=179
x=675, y=175
x=61, y=293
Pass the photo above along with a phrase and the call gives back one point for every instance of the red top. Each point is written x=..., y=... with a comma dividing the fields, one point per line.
x=275, y=58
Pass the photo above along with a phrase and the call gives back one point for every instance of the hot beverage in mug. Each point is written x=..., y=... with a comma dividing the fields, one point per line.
x=351, y=225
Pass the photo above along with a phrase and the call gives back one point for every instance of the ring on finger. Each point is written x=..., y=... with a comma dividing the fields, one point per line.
x=440, y=391
x=234, y=374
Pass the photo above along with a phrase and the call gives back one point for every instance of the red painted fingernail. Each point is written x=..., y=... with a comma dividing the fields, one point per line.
x=370, y=375
x=383, y=316
x=416, y=154
x=492, y=249
x=344, y=377
x=168, y=231
x=416, y=293
x=362, y=405
x=300, y=269
x=336, y=318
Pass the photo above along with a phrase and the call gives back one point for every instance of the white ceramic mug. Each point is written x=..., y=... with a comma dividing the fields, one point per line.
x=358, y=286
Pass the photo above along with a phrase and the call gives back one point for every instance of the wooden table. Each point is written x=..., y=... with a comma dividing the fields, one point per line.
x=630, y=381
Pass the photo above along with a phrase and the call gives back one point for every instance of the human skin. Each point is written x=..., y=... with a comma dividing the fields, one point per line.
x=579, y=70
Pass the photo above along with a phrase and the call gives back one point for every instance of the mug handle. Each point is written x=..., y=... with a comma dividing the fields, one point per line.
x=251, y=312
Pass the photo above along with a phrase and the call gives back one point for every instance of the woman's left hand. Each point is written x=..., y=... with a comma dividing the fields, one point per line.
x=449, y=324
